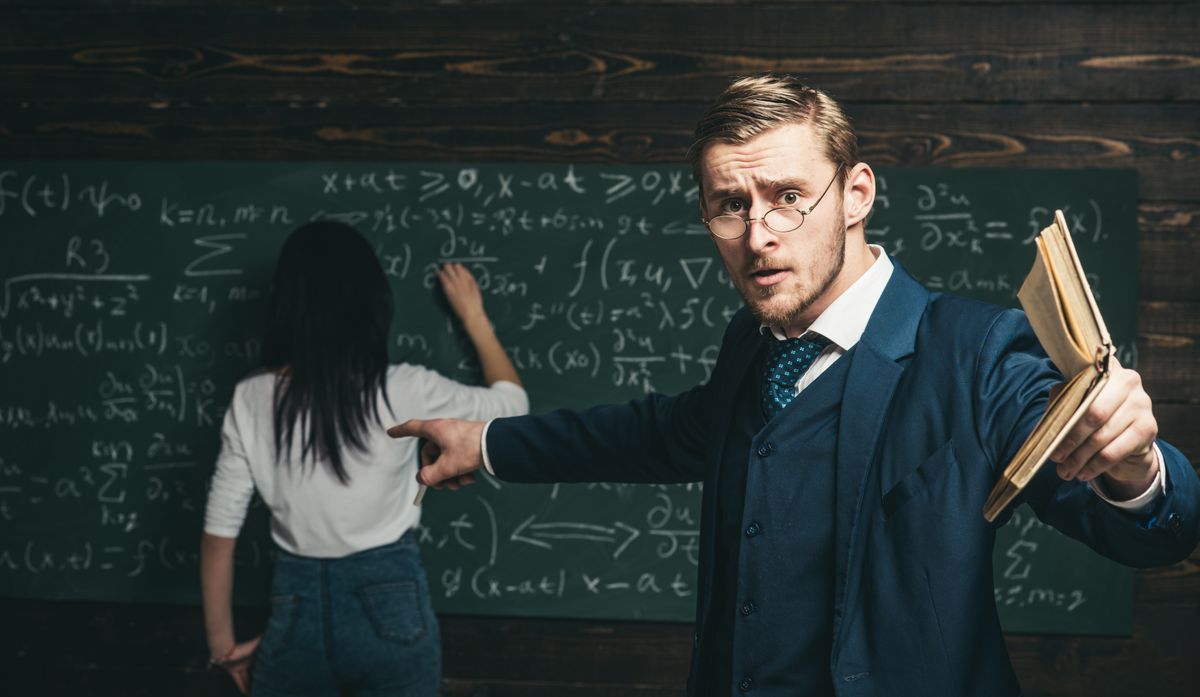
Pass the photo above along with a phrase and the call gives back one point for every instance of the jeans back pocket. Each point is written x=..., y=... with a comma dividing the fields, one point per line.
x=395, y=610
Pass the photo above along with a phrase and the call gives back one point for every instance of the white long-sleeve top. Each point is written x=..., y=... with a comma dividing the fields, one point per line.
x=312, y=513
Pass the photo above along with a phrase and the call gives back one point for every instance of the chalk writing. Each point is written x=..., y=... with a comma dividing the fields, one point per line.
x=132, y=296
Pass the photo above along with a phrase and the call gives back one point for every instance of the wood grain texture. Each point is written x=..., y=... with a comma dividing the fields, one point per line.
x=501, y=657
x=1177, y=424
x=1160, y=141
x=956, y=83
x=589, y=53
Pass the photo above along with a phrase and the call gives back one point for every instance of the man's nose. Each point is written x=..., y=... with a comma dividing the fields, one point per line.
x=758, y=235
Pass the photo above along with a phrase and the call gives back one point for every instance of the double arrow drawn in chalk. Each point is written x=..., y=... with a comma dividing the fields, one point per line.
x=536, y=534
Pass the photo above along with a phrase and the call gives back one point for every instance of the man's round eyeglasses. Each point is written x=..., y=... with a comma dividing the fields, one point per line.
x=778, y=220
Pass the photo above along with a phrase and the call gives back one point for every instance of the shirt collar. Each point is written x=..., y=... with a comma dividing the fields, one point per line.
x=844, y=321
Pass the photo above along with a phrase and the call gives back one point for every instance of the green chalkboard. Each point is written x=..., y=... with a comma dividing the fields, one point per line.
x=132, y=294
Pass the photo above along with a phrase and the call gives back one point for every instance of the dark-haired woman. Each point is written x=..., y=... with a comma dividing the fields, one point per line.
x=350, y=606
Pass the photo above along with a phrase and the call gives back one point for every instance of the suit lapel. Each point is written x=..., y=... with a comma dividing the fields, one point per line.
x=875, y=369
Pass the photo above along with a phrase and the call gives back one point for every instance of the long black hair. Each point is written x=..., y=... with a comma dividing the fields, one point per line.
x=326, y=340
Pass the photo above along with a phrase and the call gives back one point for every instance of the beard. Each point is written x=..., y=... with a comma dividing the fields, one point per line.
x=793, y=298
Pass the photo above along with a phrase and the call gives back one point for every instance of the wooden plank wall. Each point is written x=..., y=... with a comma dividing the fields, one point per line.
x=1037, y=84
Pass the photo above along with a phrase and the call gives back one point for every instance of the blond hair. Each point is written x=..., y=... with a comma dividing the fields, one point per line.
x=753, y=105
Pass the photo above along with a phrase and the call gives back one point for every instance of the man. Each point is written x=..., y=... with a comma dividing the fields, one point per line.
x=849, y=435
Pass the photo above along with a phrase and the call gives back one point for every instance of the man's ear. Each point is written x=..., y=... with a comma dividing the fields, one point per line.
x=859, y=194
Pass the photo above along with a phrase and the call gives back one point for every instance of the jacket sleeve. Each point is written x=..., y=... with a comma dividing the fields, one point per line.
x=1013, y=379
x=1164, y=535
x=659, y=439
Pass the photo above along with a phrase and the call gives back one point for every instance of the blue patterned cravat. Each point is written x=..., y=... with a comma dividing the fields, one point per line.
x=786, y=362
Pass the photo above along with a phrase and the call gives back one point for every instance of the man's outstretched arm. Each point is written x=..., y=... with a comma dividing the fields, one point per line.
x=658, y=439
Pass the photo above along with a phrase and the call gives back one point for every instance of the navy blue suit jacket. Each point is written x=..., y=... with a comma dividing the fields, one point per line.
x=940, y=393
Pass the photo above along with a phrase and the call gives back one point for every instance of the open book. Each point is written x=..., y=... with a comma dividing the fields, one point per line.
x=1060, y=306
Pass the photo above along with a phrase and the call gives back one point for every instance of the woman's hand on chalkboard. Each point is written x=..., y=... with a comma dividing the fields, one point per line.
x=239, y=661
x=453, y=451
x=462, y=292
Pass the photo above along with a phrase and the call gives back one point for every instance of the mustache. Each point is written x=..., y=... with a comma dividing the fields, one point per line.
x=763, y=264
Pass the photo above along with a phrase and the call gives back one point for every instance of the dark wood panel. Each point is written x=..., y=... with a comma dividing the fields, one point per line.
x=590, y=53
x=1177, y=423
x=547, y=132
x=1175, y=585
x=1167, y=363
x=500, y=656
x=566, y=651
x=1161, y=141
x=1170, y=318
x=1169, y=216
x=1153, y=139
x=43, y=634
x=496, y=688
x=1159, y=660
x=1169, y=254
x=1168, y=264
x=104, y=681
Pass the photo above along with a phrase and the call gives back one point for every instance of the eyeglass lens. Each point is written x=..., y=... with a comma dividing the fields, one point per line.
x=777, y=219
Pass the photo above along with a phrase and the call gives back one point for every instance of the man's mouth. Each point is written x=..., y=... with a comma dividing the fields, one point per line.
x=764, y=278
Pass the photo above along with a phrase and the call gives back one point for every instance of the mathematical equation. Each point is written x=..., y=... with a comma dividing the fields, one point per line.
x=1017, y=587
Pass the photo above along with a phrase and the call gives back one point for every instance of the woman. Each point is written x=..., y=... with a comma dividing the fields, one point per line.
x=350, y=606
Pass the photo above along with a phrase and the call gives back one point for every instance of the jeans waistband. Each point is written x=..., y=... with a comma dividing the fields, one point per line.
x=405, y=542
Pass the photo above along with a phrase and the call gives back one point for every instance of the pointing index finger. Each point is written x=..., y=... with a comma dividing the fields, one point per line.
x=414, y=428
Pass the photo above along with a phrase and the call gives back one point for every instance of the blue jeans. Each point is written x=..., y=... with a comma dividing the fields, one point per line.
x=360, y=625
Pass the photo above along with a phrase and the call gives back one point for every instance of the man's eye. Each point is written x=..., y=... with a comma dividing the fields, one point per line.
x=790, y=198
x=732, y=207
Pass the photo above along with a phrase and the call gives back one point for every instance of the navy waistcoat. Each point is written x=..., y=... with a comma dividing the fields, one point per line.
x=770, y=623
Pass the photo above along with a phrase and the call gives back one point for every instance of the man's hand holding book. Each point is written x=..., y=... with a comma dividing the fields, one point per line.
x=1100, y=422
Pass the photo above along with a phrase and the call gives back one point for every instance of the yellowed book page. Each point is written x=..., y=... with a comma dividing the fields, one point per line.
x=1066, y=286
x=1043, y=307
x=1101, y=336
x=1079, y=305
